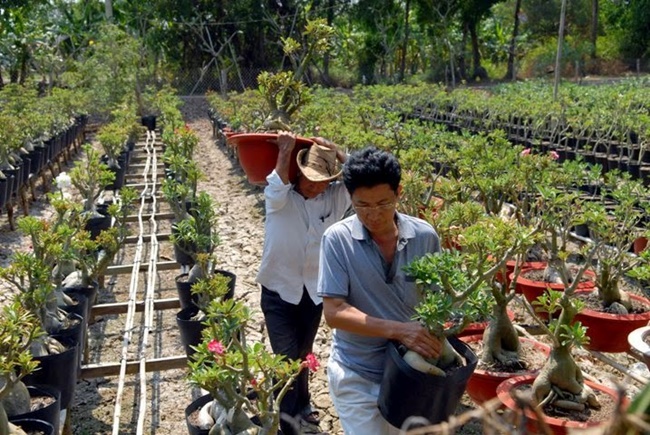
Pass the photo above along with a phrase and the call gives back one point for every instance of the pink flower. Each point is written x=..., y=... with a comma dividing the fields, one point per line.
x=554, y=155
x=311, y=362
x=525, y=152
x=216, y=347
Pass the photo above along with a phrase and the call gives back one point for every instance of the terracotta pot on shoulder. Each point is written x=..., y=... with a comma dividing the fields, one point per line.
x=609, y=332
x=258, y=154
x=556, y=425
x=482, y=385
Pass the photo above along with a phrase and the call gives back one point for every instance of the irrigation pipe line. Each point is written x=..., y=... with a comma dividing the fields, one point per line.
x=151, y=282
x=130, y=316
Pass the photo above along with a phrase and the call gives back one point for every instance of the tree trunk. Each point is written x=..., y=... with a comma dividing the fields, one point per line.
x=402, y=66
x=594, y=27
x=24, y=60
x=108, y=10
x=326, y=57
x=558, y=58
x=511, y=74
x=462, y=66
x=476, y=55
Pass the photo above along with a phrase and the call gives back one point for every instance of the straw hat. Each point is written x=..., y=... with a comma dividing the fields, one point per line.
x=319, y=163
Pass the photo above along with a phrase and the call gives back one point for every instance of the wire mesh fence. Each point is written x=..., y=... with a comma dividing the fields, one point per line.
x=215, y=79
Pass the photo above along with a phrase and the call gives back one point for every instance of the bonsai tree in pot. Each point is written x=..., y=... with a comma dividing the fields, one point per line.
x=90, y=176
x=196, y=233
x=18, y=329
x=244, y=379
x=613, y=230
x=113, y=137
x=284, y=92
x=32, y=278
x=465, y=277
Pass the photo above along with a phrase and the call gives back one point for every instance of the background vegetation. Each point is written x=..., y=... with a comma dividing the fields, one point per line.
x=377, y=41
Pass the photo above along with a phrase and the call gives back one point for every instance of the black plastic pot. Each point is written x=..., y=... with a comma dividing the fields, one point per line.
x=407, y=392
x=149, y=121
x=35, y=426
x=197, y=404
x=89, y=292
x=80, y=308
x=75, y=334
x=58, y=371
x=184, y=288
x=190, y=329
x=36, y=156
x=3, y=193
x=97, y=224
x=118, y=181
x=181, y=251
x=49, y=413
x=12, y=181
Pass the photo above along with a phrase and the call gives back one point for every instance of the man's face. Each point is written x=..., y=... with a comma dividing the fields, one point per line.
x=311, y=189
x=375, y=207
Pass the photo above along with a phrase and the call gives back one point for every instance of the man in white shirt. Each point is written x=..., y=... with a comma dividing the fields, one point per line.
x=297, y=214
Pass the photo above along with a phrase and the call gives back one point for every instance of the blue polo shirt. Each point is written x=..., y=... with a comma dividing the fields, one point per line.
x=352, y=268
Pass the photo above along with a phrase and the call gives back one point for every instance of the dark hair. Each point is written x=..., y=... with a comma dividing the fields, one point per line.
x=371, y=167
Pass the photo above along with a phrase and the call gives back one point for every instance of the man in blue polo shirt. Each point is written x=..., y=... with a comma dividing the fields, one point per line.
x=366, y=297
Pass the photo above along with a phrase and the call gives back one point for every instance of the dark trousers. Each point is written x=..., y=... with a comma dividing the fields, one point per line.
x=292, y=329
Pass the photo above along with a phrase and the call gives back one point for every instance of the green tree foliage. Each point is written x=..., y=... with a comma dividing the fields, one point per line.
x=629, y=21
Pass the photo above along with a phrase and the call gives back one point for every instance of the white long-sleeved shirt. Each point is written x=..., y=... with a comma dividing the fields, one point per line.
x=293, y=231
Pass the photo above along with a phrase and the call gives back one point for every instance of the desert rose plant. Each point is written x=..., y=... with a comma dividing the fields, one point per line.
x=90, y=177
x=613, y=230
x=18, y=329
x=284, y=91
x=460, y=285
x=244, y=379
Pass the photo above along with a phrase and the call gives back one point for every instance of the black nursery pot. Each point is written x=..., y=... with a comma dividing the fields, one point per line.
x=89, y=292
x=408, y=392
x=3, y=193
x=97, y=224
x=197, y=404
x=149, y=121
x=58, y=371
x=120, y=173
x=184, y=288
x=32, y=426
x=190, y=329
x=49, y=413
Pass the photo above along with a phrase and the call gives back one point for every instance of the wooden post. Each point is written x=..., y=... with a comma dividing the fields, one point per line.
x=24, y=201
x=10, y=213
x=224, y=82
x=558, y=58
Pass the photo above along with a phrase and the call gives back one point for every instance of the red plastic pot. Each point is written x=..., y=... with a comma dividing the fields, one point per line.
x=557, y=425
x=534, y=289
x=482, y=385
x=639, y=245
x=609, y=332
x=510, y=269
x=258, y=154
